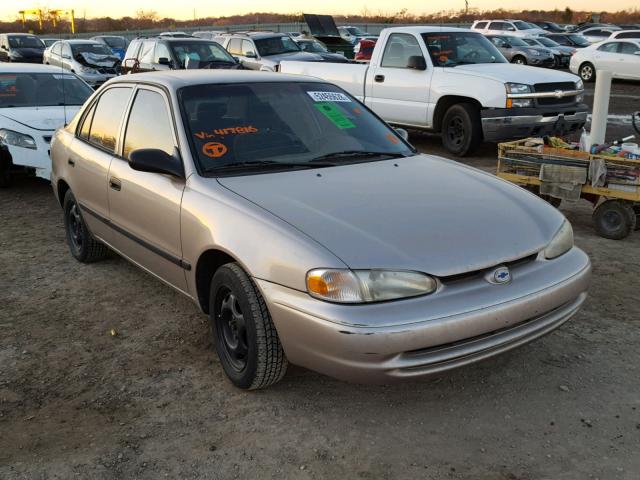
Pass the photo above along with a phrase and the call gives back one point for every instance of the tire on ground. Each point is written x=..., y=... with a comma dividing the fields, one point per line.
x=265, y=362
x=82, y=245
x=614, y=219
x=461, y=129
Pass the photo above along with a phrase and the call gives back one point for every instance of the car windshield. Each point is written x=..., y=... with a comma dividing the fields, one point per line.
x=25, y=41
x=460, y=48
x=115, y=42
x=96, y=48
x=532, y=41
x=516, y=42
x=520, y=25
x=312, y=46
x=276, y=46
x=579, y=40
x=203, y=52
x=262, y=126
x=42, y=90
x=547, y=42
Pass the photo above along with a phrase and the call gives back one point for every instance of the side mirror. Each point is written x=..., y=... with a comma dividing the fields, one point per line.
x=417, y=62
x=403, y=133
x=251, y=55
x=164, y=61
x=153, y=160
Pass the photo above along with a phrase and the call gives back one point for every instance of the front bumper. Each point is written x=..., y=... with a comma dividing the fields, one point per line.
x=464, y=322
x=500, y=124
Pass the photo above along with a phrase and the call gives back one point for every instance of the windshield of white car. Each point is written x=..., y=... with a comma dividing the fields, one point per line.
x=25, y=41
x=257, y=127
x=202, y=51
x=449, y=49
x=115, y=42
x=42, y=90
x=276, y=45
x=97, y=48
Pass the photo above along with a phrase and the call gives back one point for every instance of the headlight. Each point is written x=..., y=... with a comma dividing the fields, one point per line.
x=535, y=53
x=579, y=85
x=363, y=286
x=9, y=137
x=561, y=243
x=517, y=88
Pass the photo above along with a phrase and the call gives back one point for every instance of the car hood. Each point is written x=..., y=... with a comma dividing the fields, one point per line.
x=39, y=118
x=427, y=213
x=296, y=56
x=507, y=72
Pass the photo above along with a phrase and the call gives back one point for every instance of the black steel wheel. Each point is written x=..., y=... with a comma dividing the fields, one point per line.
x=461, y=129
x=244, y=335
x=614, y=219
x=82, y=245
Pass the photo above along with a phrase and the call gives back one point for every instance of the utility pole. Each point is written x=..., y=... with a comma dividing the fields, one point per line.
x=466, y=7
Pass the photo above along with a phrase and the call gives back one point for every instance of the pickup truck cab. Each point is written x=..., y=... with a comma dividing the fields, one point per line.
x=455, y=82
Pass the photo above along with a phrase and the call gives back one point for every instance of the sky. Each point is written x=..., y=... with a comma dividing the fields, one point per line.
x=184, y=9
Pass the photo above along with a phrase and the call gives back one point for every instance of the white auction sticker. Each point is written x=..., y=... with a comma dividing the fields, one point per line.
x=329, y=97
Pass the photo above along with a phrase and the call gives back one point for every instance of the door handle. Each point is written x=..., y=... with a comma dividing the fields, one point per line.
x=71, y=162
x=115, y=184
x=379, y=78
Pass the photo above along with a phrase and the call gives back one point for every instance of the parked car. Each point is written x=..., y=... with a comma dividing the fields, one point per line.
x=92, y=61
x=561, y=53
x=629, y=26
x=598, y=34
x=34, y=101
x=208, y=35
x=516, y=50
x=621, y=57
x=116, y=43
x=244, y=191
x=48, y=41
x=457, y=83
x=551, y=27
x=574, y=40
x=314, y=46
x=171, y=53
x=625, y=35
x=265, y=50
x=584, y=25
x=21, y=48
x=514, y=28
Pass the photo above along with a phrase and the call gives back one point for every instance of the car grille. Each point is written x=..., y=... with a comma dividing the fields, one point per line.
x=479, y=273
x=552, y=87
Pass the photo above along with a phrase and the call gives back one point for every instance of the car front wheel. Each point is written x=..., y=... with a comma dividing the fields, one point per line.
x=244, y=335
x=461, y=129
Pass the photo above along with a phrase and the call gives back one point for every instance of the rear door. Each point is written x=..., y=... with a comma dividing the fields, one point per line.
x=91, y=154
x=629, y=62
x=399, y=94
x=145, y=207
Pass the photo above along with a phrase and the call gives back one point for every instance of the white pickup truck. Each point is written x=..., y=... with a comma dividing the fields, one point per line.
x=455, y=82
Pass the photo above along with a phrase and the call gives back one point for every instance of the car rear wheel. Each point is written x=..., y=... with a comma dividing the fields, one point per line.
x=519, y=60
x=614, y=219
x=82, y=245
x=587, y=72
x=461, y=129
x=244, y=335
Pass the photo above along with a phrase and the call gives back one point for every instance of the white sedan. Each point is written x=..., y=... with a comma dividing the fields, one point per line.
x=35, y=100
x=622, y=57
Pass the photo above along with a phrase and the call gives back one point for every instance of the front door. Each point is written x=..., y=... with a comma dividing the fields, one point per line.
x=144, y=207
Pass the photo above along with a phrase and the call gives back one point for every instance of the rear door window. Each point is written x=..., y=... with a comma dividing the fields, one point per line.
x=247, y=47
x=609, y=47
x=481, y=25
x=628, y=48
x=85, y=128
x=496, y=25
x=107, y=118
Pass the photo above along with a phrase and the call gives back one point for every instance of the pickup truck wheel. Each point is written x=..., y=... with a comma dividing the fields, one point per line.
x=519, y=60
x=82, y=245
x=614, y=219
x=587, y=72
x=243, y=333
x=461, y=129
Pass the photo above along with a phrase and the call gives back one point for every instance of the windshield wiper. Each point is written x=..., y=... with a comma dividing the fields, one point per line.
x=358, y=154
x=268, y=164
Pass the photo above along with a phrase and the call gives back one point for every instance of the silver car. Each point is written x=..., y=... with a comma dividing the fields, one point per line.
x=92, y=61
x=308, y=230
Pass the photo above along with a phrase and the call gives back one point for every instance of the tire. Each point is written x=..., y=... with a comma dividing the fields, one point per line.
x=5, y=169
x=461, y=129
x=82, y=245
x=244, y=335
x=636, y=210
x=614, y=219
x=519, y=60
x=587, y=72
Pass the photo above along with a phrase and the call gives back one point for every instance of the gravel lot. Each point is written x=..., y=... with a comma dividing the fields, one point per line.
x=153, y=402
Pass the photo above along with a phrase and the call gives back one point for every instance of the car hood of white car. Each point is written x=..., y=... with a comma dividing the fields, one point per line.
x=507, y=72
x=420, y=213
x=39, y=118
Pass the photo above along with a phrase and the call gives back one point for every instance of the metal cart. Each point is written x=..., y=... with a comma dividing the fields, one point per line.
x=616, y=199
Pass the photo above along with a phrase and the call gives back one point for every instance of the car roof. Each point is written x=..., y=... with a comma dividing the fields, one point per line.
x=418, y=29
x=257, y=35
x=19, y=34
x=175, y=79
x=76, y=41
x=31, y=68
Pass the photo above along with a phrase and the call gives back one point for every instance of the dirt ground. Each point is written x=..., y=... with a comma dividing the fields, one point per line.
x=153, y=402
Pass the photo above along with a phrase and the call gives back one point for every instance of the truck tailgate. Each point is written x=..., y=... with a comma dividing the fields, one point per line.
x=349, y=76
